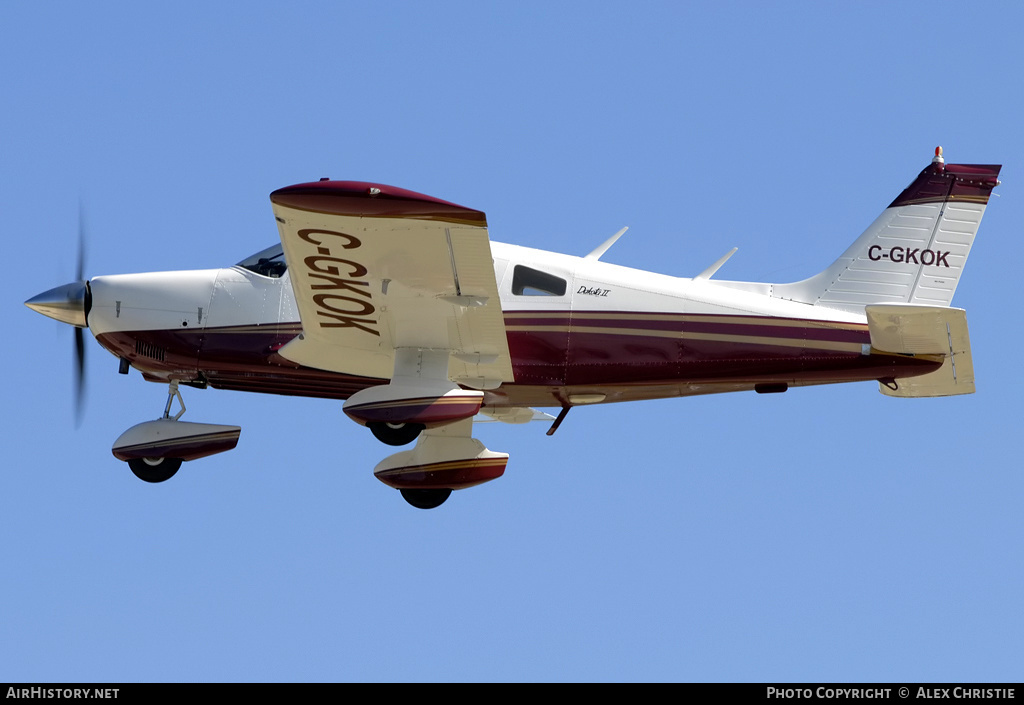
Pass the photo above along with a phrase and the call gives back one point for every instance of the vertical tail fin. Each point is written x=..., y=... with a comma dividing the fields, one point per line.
x=915, y=251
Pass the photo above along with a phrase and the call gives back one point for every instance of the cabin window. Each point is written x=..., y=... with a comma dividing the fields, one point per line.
x=532, y=282
x=269, y=262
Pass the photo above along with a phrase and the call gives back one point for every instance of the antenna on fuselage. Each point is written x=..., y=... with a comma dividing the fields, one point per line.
x=706, y=274
x=596, y=254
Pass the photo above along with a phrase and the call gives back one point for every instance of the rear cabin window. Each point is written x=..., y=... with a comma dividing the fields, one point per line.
x=532, y=282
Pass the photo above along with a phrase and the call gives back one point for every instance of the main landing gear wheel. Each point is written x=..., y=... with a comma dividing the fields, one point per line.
x=154, y=469
x=396, y=434
x=426, y=499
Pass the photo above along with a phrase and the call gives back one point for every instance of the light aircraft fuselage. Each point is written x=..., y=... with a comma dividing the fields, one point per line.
x=619, y=332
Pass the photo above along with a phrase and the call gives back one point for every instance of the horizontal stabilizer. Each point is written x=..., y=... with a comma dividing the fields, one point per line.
x=909, y=329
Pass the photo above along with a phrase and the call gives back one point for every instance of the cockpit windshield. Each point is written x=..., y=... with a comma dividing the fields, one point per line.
x=269, y=262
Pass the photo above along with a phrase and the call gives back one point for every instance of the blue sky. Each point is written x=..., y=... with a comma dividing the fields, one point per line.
x=823, y=534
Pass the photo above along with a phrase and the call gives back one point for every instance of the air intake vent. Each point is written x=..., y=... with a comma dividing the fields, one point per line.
x=149, y=350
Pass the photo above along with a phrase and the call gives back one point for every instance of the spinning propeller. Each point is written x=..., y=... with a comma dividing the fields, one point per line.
x=70, y=304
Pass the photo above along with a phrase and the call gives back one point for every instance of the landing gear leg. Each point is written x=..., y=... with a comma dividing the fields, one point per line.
x=172, y=392
x=160, y=469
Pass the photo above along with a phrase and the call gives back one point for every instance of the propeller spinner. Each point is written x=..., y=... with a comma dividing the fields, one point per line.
x=70, y=303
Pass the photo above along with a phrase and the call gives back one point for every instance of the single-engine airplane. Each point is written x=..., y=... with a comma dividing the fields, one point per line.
x=400, y=305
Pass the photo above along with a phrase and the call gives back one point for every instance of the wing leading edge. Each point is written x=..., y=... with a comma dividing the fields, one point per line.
x=376, y=269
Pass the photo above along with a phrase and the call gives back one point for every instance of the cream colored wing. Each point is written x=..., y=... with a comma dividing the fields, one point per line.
x=376, y=269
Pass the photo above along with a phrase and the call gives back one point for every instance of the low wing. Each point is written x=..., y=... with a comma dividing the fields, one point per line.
x=376, y=269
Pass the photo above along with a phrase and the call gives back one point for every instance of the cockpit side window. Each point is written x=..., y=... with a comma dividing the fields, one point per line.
x=269, y=262
x=533, y=282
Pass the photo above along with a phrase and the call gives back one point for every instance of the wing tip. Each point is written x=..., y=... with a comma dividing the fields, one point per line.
x=366, y=199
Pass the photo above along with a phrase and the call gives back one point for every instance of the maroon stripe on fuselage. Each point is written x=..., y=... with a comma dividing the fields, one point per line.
x=724, y=327
x=727, y=323
x=239, y=358
x=809, y=333
x=301, y=382
x=596, y=347
x=602, y=349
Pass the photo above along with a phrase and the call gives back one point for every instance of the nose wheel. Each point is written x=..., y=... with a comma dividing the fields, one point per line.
x=395, y=434
x=425, y=499
x=154, y=469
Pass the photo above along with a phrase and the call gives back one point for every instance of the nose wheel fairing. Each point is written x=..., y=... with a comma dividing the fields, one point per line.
x=154, y=450
x=167, y=438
